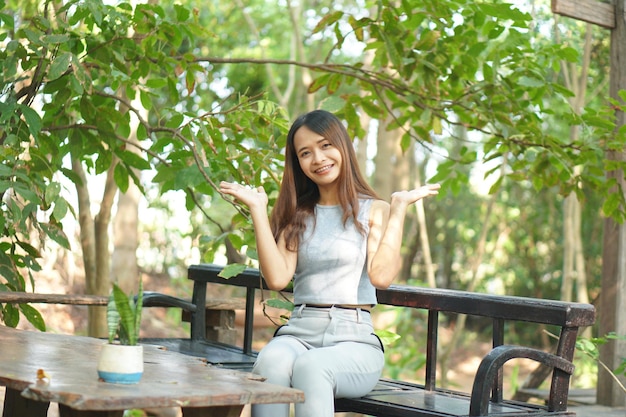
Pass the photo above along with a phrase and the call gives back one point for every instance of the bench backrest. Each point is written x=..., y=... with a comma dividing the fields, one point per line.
x=569, y=316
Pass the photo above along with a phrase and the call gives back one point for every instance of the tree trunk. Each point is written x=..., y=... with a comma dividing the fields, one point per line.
x=382, y=180
x=103, y=255
x=87, y=238
x=567, y=283
x=124, y=268
x=573, y=259
x=94, y=240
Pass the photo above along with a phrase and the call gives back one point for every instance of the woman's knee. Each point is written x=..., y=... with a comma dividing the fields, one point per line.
x=276, y=358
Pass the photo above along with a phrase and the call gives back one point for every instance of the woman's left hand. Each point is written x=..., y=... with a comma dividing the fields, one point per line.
x=411, y=196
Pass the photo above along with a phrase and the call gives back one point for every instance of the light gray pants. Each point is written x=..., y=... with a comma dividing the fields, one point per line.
x=325, y=352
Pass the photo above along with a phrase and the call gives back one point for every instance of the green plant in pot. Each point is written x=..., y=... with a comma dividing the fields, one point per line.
x=121, y=359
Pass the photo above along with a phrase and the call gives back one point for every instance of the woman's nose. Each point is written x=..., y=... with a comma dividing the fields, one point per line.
x=319, y=156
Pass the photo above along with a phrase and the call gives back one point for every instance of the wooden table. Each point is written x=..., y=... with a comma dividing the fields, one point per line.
x=170, y=379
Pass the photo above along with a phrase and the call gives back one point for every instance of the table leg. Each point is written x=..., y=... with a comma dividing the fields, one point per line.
x=16, y=405
x=221, y=411
x=65, y=411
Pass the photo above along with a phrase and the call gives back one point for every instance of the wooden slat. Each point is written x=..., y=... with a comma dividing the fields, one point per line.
x=592, y=11
x=18, y=297
x=10, y=297
x=225, y=304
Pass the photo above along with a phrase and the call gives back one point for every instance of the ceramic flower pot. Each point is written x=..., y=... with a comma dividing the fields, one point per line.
x=120, y=364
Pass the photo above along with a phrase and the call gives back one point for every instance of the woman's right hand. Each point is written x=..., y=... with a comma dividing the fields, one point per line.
x=251, y=197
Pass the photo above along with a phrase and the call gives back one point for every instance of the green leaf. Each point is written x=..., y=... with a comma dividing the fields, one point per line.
x=120, y=174
x=188, y=177
x=113, y=318
x=332, y=104
x=138, y=308
x=232, y=270
x=26, y=192
x=182, y=13
x=146, y=100
x=127, y=331
x=156, y=83
x=52, y=192
x=33, y=316
x=59, y=66
x=530, y=82
x=386, y=336
x=7, y=19
x=10, y=315
x=328, y=20
x=280, y=303
x=29, y=249
x=372, y=109
x=56, y=233
x=334, y=83
x=33, y=120
x=60, y=209
x=56, y=38
x=428, y=38
x=318, y=83
x=133, y=160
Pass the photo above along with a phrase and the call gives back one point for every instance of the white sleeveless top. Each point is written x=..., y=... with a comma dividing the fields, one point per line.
x=332, y=259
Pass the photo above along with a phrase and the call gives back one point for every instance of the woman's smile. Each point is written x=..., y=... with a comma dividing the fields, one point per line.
x=324, y=169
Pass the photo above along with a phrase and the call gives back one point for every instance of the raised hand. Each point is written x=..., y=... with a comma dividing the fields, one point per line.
x=251, y=197
x=411, y=196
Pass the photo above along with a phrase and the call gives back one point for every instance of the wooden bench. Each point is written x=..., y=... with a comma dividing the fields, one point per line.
x=392, y=398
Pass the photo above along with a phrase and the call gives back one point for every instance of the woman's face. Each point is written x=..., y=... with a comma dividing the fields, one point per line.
x=319, y=159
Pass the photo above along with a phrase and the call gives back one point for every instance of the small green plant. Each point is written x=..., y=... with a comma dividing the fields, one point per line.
x=590, y=348
x=124, y=316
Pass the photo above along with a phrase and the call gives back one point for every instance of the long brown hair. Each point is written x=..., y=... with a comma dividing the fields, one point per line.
x=298, y=194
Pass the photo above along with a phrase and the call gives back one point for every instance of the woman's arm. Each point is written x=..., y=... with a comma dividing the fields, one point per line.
x=277, y=263
x=385, y=237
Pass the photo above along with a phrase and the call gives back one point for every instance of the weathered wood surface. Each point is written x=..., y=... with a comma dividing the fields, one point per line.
x=591, y=11
x=11, y=297
x=612, y=302
x=20, y=297
x=170, y=379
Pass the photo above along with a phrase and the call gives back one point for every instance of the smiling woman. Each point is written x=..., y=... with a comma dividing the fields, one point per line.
x=338, y=241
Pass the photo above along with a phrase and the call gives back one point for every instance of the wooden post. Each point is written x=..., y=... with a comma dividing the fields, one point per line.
x=612, y=311
x=612, y=305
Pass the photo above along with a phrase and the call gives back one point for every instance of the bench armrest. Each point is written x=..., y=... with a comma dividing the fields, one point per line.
x=494, y=360
x=155, y=299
